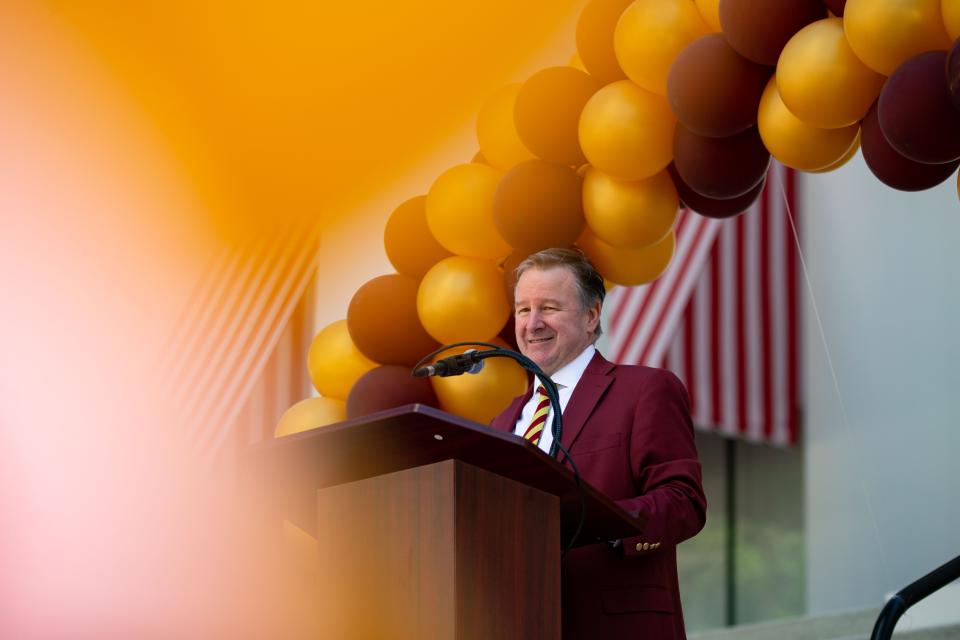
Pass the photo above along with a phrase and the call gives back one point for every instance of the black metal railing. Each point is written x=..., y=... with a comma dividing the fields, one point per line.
x=912, y=594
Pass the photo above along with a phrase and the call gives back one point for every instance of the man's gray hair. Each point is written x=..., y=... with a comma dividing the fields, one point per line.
x=589, y=282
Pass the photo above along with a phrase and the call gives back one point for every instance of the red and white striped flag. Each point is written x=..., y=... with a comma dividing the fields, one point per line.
x=643, y=319
x=725, y=319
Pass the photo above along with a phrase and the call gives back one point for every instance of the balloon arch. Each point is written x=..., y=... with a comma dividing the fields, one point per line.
x=668, y=103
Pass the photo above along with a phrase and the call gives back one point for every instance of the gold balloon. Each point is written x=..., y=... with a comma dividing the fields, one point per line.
x=629, y=267
x=310, y=414
x=460, y=211
x=483, y=396
x=334, y=362
x=950, y=10
x=410, y=246
x=595, y=39
x=547, y=111
x=627, y=132
x=845, y=159
x=629, y=214
x=885, y=33
x=710, y=12
x=463, y=299
x=821, y=80
x=650, y=34
x=499, y=143
x=795, y=143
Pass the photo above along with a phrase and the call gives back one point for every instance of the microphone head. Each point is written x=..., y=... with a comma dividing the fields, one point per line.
x=477, y=366
x=466, y=362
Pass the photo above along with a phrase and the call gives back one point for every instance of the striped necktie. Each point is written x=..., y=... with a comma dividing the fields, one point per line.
x=535, y=430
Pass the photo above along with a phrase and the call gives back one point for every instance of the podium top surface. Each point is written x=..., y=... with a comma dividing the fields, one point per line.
x=295, y=466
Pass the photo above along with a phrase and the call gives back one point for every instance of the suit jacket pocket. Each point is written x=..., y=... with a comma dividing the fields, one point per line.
x=637, y=599
x=587, y=443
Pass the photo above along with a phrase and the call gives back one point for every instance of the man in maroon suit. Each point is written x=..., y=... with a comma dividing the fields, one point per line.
x=629, y=431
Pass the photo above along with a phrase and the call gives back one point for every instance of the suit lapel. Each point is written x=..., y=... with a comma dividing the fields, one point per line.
x=591, y=387
x=508, y=421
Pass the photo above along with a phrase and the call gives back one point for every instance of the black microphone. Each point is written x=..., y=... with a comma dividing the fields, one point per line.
x=466, y=362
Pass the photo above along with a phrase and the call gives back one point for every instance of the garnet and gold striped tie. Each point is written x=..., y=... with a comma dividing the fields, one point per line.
x=539, y=421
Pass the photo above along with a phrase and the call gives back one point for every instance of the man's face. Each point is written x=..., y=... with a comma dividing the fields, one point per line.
x=552, y=327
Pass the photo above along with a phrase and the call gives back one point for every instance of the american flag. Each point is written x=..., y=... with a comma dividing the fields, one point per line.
x=724, y=317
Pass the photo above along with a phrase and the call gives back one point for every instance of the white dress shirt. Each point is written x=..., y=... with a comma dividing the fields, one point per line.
x=566, y=380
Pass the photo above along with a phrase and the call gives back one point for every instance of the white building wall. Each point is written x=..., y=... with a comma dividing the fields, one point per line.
x=882, y=439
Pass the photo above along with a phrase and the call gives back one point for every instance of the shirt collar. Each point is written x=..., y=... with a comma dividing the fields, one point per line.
x=570, y=373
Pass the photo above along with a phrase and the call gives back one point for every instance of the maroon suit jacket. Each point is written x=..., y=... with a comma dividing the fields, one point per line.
x=628, y=428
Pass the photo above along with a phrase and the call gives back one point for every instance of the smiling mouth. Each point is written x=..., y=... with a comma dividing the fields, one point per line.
x=537, y=340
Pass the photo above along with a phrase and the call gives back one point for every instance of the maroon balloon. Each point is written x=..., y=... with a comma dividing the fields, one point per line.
x=509, y=266
x=836, y=6
x=712, y=207
x=915, y=112
x=713, y=90
x=388, y=387
x=720, y=168
x=953, y=74
x=891, y=168
x=509, y=333
x=759, y=29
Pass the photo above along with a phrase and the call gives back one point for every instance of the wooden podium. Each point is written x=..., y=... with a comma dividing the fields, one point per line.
x=431, y=526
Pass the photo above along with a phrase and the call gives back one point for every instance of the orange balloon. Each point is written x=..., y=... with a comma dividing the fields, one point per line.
x=548, y=109
x=885, y=33
x=481, y=397
x=629, y=267
x=310, y=414
x=538, y=205
x=627, y=132
x=460, y=211
x=383, y=321
x=595, y=39
x=710, y=12
x=595, y=28
x=795, y=143
x=650, y=34
x=629, y=214
x=496, y=132
x=334, y=362
x=462, y=299
x=845, y=159
x=410, y=246
x=821, y=80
